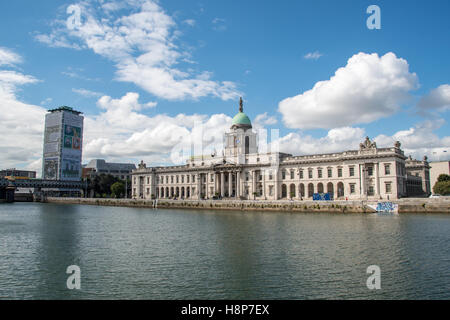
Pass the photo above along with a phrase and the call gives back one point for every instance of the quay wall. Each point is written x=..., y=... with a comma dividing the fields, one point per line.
x=409, y=205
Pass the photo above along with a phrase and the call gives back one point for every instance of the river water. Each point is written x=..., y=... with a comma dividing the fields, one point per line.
x=132, y=253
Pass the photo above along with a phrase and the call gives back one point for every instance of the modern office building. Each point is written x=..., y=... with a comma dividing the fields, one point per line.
x=243, y=173
x=99, y=166
x=63, y=142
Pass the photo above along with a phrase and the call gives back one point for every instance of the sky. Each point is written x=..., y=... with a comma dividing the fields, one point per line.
x=147, y=73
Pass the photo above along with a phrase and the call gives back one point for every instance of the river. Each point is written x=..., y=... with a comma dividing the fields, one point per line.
x=133, y=253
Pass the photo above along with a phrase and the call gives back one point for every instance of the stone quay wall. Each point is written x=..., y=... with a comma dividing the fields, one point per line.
x=409, y=205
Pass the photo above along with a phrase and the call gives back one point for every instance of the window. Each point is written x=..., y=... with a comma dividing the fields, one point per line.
x=193, y=181
x=352, y=188
x=387, y=169
x=370, y=171
x=247, y=176
x=148, y=181
x=187, y=178
x=134, y=179
x=388, y=187
x=340, y=172
x=319, y=173
x=292, y=174
x=310, y=173
x=301, y=174
x=182, y=179
x=270, y=190
x=370, y=191
x=212, y=177
x=148, y=190
x=352, y=171
x=270, y=175
x=283, y=174
x=177, y=179
x=330, y=172
x=260, y=177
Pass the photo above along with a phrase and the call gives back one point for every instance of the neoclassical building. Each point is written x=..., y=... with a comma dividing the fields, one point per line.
x=241, y=172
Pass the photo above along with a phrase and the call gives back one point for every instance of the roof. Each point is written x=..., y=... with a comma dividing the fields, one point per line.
x=65, y=108
x=241, y=118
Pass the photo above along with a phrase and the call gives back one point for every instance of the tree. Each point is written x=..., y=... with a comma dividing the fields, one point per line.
x=442, y=187
x=443, y=177
x=118, y=189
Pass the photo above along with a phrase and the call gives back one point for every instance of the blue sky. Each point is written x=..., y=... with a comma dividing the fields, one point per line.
x=214, y=51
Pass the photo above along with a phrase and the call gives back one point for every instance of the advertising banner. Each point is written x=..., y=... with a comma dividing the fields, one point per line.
x=70, y=169
x=72, y=137
x=50, y=168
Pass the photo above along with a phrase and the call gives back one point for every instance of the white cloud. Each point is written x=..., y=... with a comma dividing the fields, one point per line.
x=313, y=55
x=437, y=100
x=143, y=46
x=219, y=24
x=21, y=124
x=121, y=131
x=9, y=57
x=264, y=119
x=189, y=22
x=419, y=140
x=46, y=101
x=368, y=88
x=336, y=140
x=87, y=93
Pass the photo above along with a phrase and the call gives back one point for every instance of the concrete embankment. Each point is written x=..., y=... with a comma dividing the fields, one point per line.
x=410, y=205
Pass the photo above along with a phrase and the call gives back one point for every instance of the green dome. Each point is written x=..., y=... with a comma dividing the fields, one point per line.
x=241, y=119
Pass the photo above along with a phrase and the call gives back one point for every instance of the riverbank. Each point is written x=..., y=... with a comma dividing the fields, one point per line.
x=408, y=205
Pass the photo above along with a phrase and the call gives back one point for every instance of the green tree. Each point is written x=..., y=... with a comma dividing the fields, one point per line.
x=443, y=177
x=442, y=187
x=118, y=189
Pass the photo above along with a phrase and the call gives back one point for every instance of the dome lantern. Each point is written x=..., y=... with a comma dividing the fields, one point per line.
x=241, y=120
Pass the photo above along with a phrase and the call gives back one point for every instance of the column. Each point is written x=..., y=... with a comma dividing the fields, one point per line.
x=362, y=179
x=230, y=183
x=198, y=186
x=215, y=183
x=222, y=184
x=238, y=184
x=253, y=182
x=264, y=184
x=377, y=179
x=276, y=184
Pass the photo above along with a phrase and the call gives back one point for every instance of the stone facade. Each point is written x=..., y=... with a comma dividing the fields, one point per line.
x=368, y=173
x=418, y=177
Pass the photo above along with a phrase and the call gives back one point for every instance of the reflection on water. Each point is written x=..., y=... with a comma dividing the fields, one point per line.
x=129, y=253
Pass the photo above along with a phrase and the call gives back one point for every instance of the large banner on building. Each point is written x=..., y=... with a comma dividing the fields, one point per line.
x=70, y=168
x=50, y=168
x=72, y=137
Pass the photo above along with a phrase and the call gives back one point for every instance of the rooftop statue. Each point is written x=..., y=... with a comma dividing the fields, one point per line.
x=367, y=144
